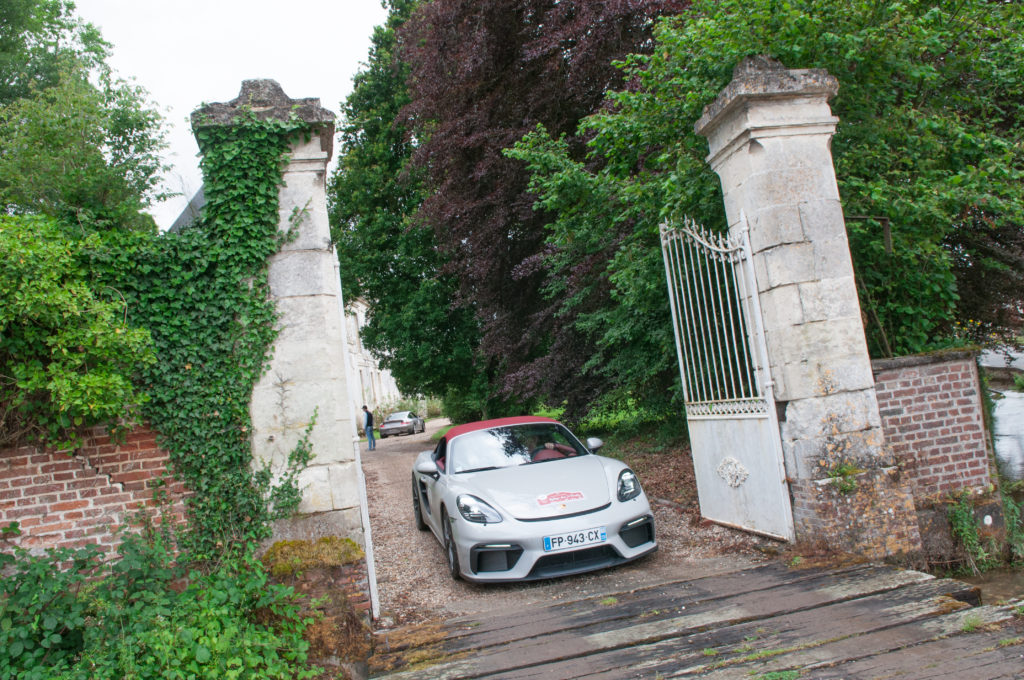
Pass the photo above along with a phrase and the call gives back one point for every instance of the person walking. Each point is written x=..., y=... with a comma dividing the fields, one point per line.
x=368, y=426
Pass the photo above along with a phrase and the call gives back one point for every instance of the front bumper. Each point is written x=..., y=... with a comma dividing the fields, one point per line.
x=513, y=550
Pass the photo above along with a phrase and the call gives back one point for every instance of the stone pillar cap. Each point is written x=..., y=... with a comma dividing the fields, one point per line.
x=762, y=77
x=267, y=101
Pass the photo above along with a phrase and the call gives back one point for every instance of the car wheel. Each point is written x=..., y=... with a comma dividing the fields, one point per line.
x=449, y=548
x=382, y=436
x=417, y=511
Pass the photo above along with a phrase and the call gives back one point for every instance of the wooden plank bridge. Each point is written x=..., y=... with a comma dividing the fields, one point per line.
x=763, y=623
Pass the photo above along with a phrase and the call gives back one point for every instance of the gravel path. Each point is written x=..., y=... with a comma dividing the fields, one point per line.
x=412, y=576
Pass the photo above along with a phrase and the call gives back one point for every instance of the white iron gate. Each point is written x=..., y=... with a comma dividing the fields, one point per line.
x=730, y=408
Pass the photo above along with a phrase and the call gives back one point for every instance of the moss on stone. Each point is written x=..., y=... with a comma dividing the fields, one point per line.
x=285, y=558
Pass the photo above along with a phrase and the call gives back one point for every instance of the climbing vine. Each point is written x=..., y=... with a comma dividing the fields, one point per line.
x=204, y=296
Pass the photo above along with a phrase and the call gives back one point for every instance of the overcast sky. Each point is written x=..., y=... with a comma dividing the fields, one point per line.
x=187, y=52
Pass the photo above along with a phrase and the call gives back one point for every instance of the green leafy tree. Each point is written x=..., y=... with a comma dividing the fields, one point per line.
x=388, y=258
x=67, y=357
x=928, y=140
x=87, y=155
x=38, y=38
x=76, y=142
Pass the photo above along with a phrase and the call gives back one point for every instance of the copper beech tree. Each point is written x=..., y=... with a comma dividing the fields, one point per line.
x=482, y=75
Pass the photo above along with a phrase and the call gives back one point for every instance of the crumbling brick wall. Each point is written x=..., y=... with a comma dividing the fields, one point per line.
x=60, y=500
x=932, y=416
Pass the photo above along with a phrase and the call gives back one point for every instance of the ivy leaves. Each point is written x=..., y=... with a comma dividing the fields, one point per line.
x=204, y=296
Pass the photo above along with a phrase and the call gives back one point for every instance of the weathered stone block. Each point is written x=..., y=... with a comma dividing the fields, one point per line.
x=773, y=226
x=345, y=485
x=782, y=306
x=300, y=273
x=329, y=487
x=283, y=410
x=308, y=319
x=829, y=298
x=344, y=523
x=822, y=219
x=788, y=263
x=810, y=419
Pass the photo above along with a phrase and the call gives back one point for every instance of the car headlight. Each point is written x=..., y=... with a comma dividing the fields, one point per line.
x=629, y=485
x=475, y=510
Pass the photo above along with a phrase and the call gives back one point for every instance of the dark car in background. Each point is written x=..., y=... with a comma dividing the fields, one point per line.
x=401, y=422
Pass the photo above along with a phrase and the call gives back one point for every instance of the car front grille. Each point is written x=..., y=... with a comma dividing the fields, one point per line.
x=561, y=564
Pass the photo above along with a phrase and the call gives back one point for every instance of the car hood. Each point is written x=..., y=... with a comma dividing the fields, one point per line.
x=544, y=490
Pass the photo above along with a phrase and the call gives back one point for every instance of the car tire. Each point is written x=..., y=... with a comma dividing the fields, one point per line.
x=382, y=436
x=417, y=511
x=450, y=552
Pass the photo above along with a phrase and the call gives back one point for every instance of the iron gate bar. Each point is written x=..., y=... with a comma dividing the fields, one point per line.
x=723, y=365
x=697, y=301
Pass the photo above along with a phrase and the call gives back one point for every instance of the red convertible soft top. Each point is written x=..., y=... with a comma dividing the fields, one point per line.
x=495, y=422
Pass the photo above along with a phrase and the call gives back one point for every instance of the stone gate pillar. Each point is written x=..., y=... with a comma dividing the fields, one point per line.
x=769, y=134
x=307, y=371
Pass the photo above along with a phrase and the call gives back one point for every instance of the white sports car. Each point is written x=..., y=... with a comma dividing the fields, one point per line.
x=517, y=499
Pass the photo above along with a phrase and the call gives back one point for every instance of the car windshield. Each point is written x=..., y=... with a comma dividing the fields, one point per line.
x=400, y=415
x=501, y=447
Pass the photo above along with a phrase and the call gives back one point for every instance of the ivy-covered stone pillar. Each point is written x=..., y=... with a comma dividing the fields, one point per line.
x=769, y=133
x=307, y=372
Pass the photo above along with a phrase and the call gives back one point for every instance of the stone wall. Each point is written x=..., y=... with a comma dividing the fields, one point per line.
x=873, y=517
x=932, y=415
x=60, y=500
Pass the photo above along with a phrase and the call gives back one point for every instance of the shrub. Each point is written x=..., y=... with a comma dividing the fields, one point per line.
x=67, y=356
x=65, y=614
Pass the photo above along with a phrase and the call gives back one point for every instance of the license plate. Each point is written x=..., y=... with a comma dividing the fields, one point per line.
x=575, y=539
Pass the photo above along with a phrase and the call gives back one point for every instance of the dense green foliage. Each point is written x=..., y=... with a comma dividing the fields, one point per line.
x=77, y=143
x=203, y=295
x=102, y=320
x=434, y=225
x=39, y=39
x=67, y=357
x=81, y=148
x=68, y=614
x=388, y=257
x=929, y=139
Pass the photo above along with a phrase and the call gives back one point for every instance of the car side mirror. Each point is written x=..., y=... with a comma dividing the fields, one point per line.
x=427, y=467
x=594, y=443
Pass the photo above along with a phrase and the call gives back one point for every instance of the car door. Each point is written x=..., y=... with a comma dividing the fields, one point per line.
x=432, y=489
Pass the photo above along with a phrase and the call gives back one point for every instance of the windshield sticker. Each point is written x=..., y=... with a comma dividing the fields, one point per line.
x=560, y=497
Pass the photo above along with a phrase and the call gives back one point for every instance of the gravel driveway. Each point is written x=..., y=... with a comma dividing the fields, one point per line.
x=412, y=577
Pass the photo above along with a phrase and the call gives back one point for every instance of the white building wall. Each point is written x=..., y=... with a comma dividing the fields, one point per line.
x=377, y=387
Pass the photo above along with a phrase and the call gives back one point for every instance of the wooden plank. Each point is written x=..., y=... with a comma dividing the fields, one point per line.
x=559, y=644
x=979, y=656
x=887, y=648
x=481, y=631
x=524, y=623
x=730, y=645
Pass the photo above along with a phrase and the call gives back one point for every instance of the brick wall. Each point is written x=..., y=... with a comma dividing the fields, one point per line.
x=932, y=417
x=69, y=501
